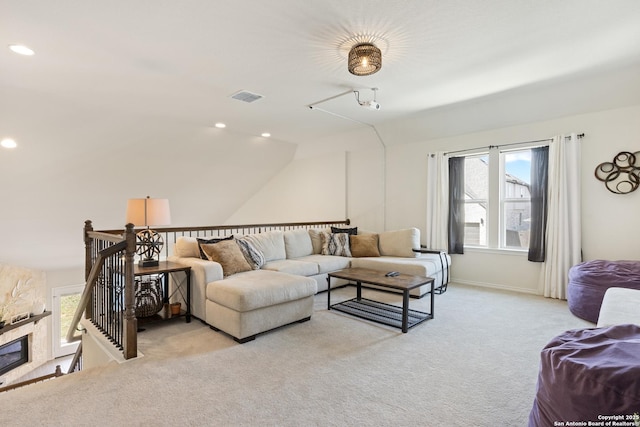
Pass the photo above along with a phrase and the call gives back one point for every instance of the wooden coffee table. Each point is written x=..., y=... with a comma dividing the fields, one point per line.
x=375, y=311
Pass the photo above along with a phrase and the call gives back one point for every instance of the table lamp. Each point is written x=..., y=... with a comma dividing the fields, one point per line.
x=148, y=213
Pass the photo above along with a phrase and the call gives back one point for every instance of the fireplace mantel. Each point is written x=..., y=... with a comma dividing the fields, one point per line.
x=32, y=319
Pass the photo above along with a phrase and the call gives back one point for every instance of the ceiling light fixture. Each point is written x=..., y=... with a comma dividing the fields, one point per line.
x=266, y=134
x=372, y=105
x=21, y=49
x=8, y=143
x=364, y=59
x=221, y=125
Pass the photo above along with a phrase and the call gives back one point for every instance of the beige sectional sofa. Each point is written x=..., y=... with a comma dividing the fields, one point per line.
x=292, y=269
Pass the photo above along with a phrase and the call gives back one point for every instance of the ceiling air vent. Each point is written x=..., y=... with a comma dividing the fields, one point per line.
x=246, y=96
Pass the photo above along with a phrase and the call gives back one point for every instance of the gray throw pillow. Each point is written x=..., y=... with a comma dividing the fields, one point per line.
x=335, y=244
x=254, y=257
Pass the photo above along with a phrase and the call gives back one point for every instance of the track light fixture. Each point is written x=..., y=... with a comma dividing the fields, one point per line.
x=373, y=105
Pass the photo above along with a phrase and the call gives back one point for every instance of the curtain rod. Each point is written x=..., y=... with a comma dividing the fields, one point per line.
x=489, y=147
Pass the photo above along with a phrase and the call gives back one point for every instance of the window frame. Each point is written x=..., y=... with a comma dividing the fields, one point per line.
x=497, y=200
x=59, y=345
x=486, y=201
x=503, y=200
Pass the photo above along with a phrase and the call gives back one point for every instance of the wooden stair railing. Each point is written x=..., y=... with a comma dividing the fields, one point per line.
x=171, y=234
x=123, y=245
x=85, y=299
x=76, y=362
x=126, y=244
x=75, y=366
x=57, y=373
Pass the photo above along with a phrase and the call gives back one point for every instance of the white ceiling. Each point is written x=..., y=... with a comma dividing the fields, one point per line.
x=179, y=61
x=125, y=84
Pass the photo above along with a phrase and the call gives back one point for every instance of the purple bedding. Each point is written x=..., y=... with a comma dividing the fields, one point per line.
x=587, y=374
x=589, y=281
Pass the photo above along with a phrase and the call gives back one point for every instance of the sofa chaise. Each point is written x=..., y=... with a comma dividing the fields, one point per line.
x=285, y=269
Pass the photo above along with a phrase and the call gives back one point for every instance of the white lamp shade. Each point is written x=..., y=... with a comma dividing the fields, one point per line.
x=148, y=212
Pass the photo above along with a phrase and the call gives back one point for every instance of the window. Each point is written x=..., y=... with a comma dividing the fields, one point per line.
x=497, y=199
x=476, y=199
x=65, y=302
x=515, y=200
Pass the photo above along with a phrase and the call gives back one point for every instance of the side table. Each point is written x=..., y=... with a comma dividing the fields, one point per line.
x=444, y=263
x=166, y=268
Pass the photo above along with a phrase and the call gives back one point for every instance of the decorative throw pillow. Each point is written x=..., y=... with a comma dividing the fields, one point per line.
x=335, y=244
x=270, y=243
x=364, y=245
x=208, y=242
x=186, y=247
x=316, y=239
x=254, y=257
x=350, y=231
x=228, y=254
x=400, y=242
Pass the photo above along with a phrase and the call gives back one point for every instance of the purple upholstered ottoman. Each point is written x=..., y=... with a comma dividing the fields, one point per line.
x=586, y=374
x=589, y=281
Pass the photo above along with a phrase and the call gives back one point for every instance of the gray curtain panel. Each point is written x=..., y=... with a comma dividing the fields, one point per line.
x=456, y=205
x=539, y=185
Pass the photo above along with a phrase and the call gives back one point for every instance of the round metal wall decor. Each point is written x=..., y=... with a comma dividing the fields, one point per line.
x=622, y=175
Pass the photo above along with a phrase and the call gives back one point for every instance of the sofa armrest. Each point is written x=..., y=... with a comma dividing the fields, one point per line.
x=425, y=250
x=445, y=263
x=210, y=271
x=202, y=272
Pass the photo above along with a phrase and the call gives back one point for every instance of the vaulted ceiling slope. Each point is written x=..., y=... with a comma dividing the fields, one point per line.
x=119, y=85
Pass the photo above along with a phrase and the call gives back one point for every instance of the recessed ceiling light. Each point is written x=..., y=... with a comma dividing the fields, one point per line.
x=221, y=125
x=266, y=134
x=21, y=49
x=8, y=143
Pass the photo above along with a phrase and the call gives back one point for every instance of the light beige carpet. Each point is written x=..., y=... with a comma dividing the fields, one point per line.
x=475, y=364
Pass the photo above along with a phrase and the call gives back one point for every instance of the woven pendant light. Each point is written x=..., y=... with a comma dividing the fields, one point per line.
x=364, y=59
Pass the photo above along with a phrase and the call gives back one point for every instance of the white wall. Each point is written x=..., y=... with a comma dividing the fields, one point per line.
x=331, y=186
x=609, y=221
x=366, y=170
x=48, y=191
x=392, y=194
x=307, y=189
x=356, y=183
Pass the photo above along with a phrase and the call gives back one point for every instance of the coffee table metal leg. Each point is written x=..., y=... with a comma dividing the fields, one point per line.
x=328, y=292
x=405, y=311
x=188, y=316
x=432, y=299
x=359, y=291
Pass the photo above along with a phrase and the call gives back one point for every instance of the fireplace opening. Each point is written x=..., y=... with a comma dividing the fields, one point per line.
x=14, y=354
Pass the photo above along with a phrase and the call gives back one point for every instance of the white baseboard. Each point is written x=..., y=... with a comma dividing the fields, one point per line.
x=494, y=286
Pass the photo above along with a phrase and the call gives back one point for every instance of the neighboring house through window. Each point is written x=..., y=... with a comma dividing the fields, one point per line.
x=515, y=200
x=476, y=203
x=497, y=199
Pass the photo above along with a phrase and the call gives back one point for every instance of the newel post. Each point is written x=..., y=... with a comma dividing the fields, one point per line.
x=88, y=261
x=88, y=249
x=130, y=341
